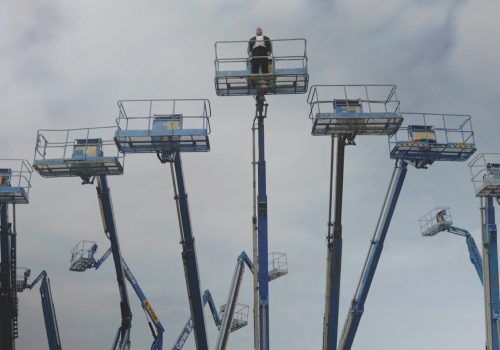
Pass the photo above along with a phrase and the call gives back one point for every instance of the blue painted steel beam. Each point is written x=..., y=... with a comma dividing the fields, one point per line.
x=474, y=255
x=334, y=248
x=262, y=234
x=7, y=297
x=158, y=335
x=207, y=299
x=103, y=258
x=491, y=280
x=227, y=319
x=122, y=340
x=246, y=259
x=189, y=259
x=186, y=331
x=49, y=312
x=49, y=315
x=357, y=305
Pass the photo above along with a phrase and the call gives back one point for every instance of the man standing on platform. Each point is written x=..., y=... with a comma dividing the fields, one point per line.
x=259, y=49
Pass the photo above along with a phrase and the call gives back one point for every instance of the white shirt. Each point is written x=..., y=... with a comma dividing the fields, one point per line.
x=259, y=41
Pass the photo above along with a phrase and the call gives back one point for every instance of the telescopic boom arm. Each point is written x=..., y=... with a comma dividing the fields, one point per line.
x=49, y=312
x=207, y=298
x=474, y=255
x=122, y=338
x=234, y=290
x=357, y=305
x=158, y=330
x=188, y=328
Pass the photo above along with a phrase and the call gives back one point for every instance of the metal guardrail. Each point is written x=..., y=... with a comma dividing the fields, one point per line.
x=354, y=109
x=371, y=98
x=140, y=114
x=231, y=56
x=15, y=180
x=77, y=152
x=429, y=137
x=287, y=72
x=433, y=221
x=485, y=174
x=163, y=126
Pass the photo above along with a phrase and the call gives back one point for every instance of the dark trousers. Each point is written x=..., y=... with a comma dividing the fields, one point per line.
x=259, y=62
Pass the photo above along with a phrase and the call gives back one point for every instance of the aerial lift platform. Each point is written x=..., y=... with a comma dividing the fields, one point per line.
x=344, y=112
x=485, y=172
x=83, y=258
x=439, y=220
x=287, y=69
x=422, y=139
x=167, y=128
x=91, y=154
x=15, y=184
x=418, y=140
x=77, y=153
x=288, y=74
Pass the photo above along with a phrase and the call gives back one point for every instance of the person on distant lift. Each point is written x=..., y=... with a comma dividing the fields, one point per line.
x=440, y=216
x=259, y=49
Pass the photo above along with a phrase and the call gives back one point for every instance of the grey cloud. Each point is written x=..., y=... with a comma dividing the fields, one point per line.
x=91, y=54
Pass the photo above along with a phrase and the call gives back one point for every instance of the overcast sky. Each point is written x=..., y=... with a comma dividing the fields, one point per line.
x=64, y=64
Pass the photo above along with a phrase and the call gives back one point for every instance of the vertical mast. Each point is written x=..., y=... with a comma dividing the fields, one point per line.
x=334, y=245
x=261, y=111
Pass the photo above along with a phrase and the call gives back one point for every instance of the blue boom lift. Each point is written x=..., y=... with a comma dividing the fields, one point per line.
x=188, y=328
x=344, y=112
x=227, y=323
x=287, y=74
x=240, y=320
x=15, y=182
x=82, y=258
x=439, y=220
x=421, y=140
x=49, y=312
x=89, y=154
x=485, y=171
x=167, y=128
x=235, y=316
